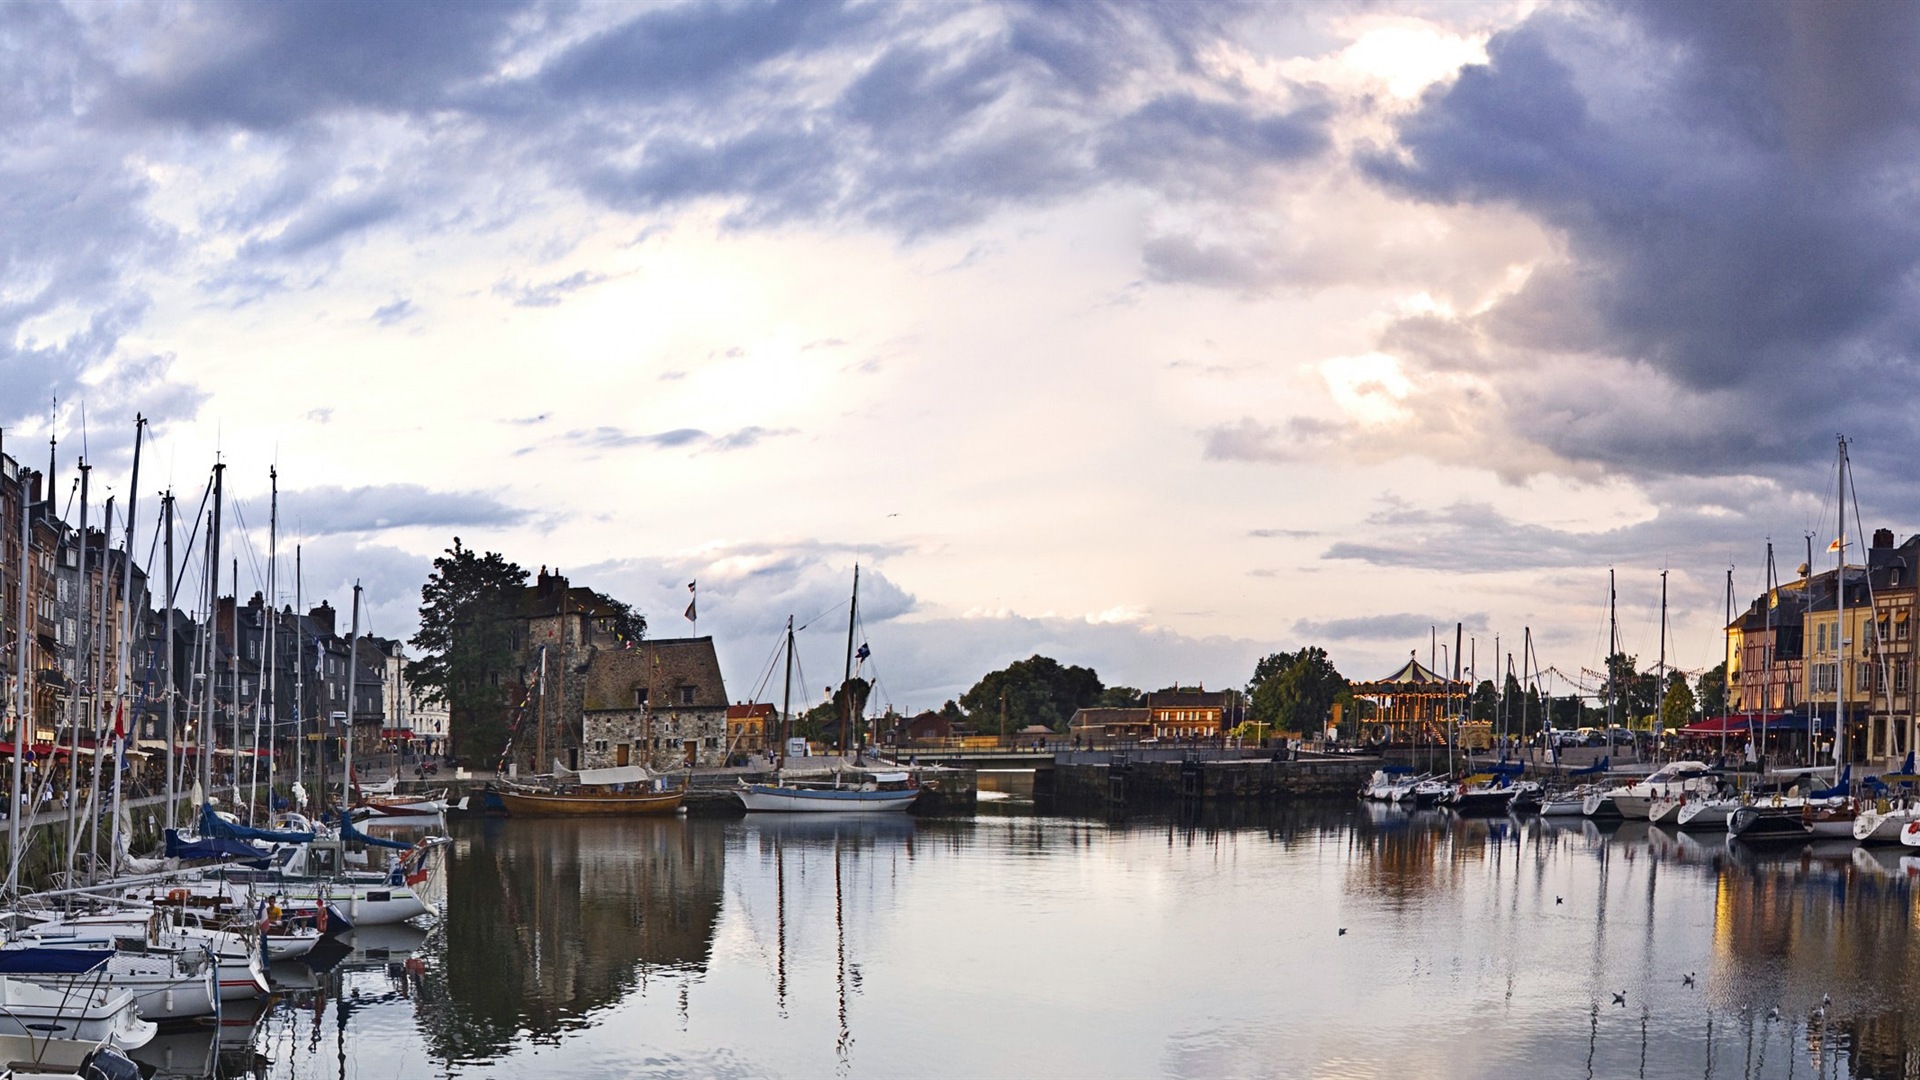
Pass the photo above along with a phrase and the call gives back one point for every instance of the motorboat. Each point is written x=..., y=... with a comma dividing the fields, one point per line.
x=1794, y=818
x=1634, y=800
x=1485, y=793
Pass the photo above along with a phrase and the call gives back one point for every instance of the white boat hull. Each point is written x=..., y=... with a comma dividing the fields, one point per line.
x=762, y=797
x=1703, y=814
x=100, y=1015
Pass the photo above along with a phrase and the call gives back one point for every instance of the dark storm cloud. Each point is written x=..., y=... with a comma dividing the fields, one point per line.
x=1742, y=244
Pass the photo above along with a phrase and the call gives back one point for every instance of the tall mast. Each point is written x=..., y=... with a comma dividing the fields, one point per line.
x=173, y=782
x=1613, y=647
x=271, y=649
x=85, y=634
x=1726, y=648
x=100, y=677
x=208, y=697
x=233, y=669
x=353, y=678
x=299, y=672
x=1840, y=612
x=846, y=681
x=786, y=701
x=540, y=712
x=20, y=684
x=1660, y=687
x=125, y=695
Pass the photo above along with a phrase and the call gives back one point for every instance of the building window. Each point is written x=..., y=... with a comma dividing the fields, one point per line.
x=1863, y=677
x=639, y=697
x=686, y=695
x=1820, y=638
x=600, y=746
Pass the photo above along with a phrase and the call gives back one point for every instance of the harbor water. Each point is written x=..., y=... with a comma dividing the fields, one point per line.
x=1323, y=940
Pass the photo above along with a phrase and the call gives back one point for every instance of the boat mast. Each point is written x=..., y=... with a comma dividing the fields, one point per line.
x=353, y=678
x=125, y=694
x=270, y=650
x=299, y=673
x=233, y=668
x=86, y=628
x=1840, y=612
x=1613, y=647
x=1660, y=688
x=786, y=704
x=19, y=685
x=173, y=781
x=1726, y=648
x=846, y=680
x=209, y=656
x=99, y=677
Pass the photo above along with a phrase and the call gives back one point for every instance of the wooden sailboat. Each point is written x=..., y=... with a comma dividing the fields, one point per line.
x=622, y=791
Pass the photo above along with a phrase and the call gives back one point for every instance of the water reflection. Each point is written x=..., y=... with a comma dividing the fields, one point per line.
x=553, y=921
x=884, y=945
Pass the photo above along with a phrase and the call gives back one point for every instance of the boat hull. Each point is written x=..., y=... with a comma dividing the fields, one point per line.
x=521, y=804
x=767, y=798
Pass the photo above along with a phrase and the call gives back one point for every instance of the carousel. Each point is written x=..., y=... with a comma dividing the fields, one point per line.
x=1410, y=706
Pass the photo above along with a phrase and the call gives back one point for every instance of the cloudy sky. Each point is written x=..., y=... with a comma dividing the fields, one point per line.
x=1151, y=337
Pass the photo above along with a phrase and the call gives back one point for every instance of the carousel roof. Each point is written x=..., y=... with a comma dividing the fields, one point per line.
x=1411, y=676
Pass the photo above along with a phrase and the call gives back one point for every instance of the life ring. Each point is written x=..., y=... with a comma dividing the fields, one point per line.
x=177, y=896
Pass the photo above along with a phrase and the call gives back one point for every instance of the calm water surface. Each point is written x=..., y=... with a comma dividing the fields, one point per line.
x=1018, y=945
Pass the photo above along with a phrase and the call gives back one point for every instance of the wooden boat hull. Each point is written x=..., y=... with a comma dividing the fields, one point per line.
x=525, y=804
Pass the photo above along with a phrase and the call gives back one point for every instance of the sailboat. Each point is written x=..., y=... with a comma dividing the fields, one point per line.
x=877, y=790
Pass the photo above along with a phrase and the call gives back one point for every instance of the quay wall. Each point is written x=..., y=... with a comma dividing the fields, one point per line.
x=1119, y=782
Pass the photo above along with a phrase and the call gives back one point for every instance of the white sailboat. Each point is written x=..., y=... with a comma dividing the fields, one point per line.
x=843, y=791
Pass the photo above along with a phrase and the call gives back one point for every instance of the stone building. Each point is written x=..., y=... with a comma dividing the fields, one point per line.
x=661, y=704
x=748, y=727
x=562, y=629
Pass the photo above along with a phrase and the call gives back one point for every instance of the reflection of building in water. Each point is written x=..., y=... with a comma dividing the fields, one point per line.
x=1798, y=927
x=1408, y=856
x=551, y=921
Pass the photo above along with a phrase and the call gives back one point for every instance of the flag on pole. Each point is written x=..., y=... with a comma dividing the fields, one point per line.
x=862, y=652
x=1835, y=546
x=693, y=614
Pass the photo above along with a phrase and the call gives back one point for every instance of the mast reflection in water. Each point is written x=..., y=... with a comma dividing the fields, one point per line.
x=1012, y=945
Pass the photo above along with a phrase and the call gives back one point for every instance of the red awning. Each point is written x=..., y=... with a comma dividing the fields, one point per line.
x=1732, y=725
x=396, y=733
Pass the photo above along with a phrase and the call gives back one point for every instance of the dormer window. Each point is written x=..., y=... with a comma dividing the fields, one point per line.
x=639, y=697
x=686, y=695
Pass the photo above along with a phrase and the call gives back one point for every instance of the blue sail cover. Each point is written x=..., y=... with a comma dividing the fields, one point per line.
x=348, y=832
x=210, y=848
x=213, y=826
x=1594, y=769
x=40, y=960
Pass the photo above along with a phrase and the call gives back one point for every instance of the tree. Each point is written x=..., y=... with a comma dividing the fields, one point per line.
x=1037, y=690
x=1713, y=690
x=1121, y=697
x=467, y=617
x=1486, y=702
x=824, y=718
x=1295, y=691
x=628, y=623
x=1676, y=709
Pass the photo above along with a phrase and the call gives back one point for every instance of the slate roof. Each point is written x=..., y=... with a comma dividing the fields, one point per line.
x=662, y=667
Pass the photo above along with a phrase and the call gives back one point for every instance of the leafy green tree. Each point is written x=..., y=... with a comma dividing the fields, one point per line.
x=823, y=720
x=1037, y=690
x=628, y=623
x=1676, y=709
x=1121, y=697
x=1486, y=702
x=1295, y=691
x=1712, y=693
x=467, y=617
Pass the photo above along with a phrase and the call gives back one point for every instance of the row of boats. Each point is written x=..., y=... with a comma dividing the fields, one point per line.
x=632, y=790
x=1688, y=795
x=94, y=971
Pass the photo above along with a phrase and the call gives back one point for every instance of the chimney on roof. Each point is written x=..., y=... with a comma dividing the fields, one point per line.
x=322, y=617
x=1883, y=538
